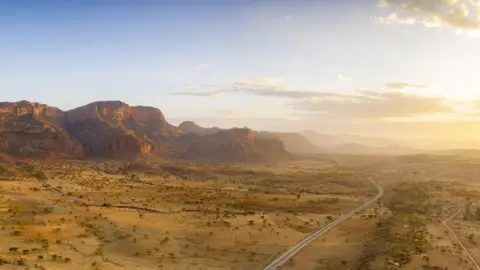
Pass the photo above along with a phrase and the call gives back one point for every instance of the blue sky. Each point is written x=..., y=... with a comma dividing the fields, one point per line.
x=144, y=52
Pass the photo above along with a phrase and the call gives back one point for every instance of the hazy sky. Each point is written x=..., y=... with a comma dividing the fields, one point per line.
x=355, y=66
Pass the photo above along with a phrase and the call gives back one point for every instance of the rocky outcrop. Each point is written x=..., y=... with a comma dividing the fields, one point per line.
x=151, y=122
x=230, y=145
x=113, y=129
x=293, y=142
x=35, y=110
x=35, y=130
x=107, y=111
x=103, y=130
x=190, y=127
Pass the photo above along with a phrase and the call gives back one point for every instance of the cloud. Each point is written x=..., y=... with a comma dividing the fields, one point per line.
x=262, y=81
x=201, y=94
x=343, y=78
x=222, y=112
x=370, y=104
x=203, y=90
x=393, y=18
x=202, y=67
x=293, y=94
x=404, y=85
x=273, y=87
x=202, y=86
x=194, y=94
x=259, y=86
x=359, y=104
x=461, y=15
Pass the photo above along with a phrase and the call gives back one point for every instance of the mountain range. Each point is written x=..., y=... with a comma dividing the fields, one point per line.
x=113, y=129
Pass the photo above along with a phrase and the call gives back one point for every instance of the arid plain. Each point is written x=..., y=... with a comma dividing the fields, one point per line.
x=179, y=215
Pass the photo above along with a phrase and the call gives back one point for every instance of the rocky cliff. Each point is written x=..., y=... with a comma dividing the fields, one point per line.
x=35, y=130
x=230, y=145
x=293, y=142
x=191, y=127
x=113, y=129
x=151, y=122
x=103, y=128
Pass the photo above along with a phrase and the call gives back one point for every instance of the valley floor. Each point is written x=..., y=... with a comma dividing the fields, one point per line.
x=113, y=215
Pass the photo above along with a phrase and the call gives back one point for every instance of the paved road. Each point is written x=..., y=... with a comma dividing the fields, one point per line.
x=309, y=239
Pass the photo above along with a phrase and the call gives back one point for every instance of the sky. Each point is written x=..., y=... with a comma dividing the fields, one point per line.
x=405, y=69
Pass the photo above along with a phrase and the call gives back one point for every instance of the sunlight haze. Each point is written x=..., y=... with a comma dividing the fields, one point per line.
x=240, y=134
x=355, y=67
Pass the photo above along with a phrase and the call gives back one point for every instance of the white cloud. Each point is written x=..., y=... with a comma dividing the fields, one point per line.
x=432, y=22
x=359, y=104
x=343, y=78
x=404, y=85
x=206, y=90
x=262, y=81
x=463, y=16
x=394, y=18
x=202, y=86
x=374, y=105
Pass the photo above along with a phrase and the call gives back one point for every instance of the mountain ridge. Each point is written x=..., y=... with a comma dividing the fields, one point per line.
x=114, y=129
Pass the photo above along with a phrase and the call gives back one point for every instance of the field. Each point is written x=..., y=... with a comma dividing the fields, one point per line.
x=117, y=215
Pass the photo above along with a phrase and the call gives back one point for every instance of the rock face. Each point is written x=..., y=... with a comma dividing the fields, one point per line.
x=231, y=145
x=188, y=127
x=151, y=122
x=103, y=130
x=113, y=129
x=293, y=142
x=35, y=130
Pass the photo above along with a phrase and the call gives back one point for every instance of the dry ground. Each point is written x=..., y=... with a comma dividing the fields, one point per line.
x=113, y=215
x=110, y=215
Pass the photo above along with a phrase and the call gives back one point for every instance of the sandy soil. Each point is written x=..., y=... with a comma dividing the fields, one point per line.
x=104, y=215
x=235, y=218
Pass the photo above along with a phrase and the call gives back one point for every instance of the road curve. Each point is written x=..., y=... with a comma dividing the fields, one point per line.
x=309, y=239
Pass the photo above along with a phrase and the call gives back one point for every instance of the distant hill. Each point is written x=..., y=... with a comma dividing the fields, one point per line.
x=294, y=142
x=355, y=144
x=237, y=144
x=464, y=153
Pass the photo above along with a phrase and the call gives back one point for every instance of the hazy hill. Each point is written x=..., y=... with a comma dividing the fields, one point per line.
x=237, y=144
x=294, y=142
x=355, y=144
